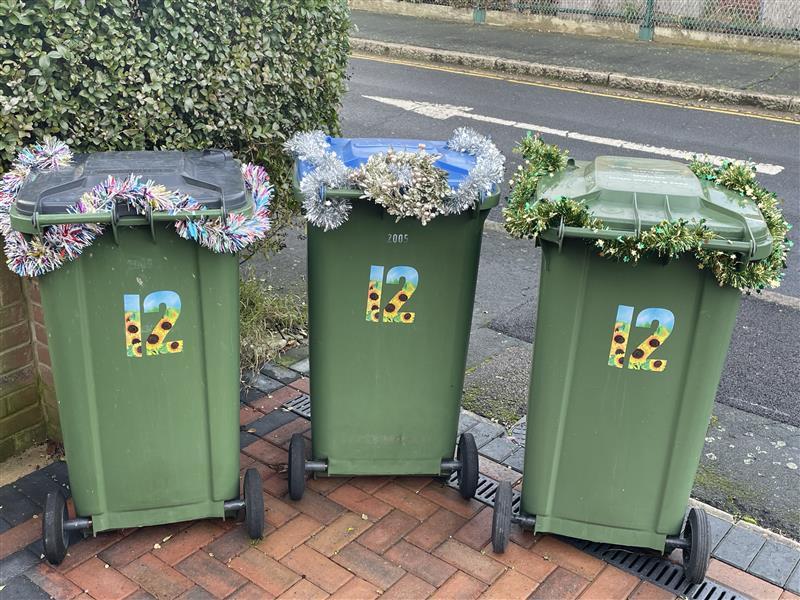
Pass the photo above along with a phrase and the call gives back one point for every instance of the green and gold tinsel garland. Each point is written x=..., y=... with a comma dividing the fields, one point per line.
x=526, y=218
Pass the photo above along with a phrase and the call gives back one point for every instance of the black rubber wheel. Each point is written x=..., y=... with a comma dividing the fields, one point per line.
x=253, y=504
x=297, y=467
x=54, y=536
x=467, y=455
x=697, y=555
x=501, y=519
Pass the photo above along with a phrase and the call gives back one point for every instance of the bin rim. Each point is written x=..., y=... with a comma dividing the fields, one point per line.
x=488, y=202
x=556, y=235
x=36, y=222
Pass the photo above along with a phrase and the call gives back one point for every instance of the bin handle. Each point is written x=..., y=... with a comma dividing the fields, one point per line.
x=114, y=222
x=223, y=207
x=476, y=206
x=36, y=217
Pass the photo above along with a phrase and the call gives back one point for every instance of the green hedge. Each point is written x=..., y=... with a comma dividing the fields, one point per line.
x=171, y=74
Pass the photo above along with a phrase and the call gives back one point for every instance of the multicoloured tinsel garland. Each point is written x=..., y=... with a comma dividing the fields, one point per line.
x=330, y=172
x=235, y=232
x=32, y=256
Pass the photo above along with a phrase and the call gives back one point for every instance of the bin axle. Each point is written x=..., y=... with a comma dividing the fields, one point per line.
x=316, y=466
x=465, y=464
x=677, y=541
x=524, y=521
x=77, y=524
x=450, y=465
x=237, y=504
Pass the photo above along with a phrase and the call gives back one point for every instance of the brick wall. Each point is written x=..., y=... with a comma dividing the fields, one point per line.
x=47, y=393
x=22, y=420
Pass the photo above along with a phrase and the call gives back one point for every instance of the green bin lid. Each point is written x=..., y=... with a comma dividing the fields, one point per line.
x=633, y=194
x=207, y=176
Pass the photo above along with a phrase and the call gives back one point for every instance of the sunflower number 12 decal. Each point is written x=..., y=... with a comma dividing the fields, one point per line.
x=640, y=357
x=391, y=310
x=155, y=342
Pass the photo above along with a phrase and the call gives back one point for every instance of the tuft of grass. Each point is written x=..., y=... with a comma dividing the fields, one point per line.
x=474, y=400
x=269, y=321
x=722, y=492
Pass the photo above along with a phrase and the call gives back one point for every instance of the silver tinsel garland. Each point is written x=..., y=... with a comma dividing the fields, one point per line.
x=487, y=172
x=330, y=172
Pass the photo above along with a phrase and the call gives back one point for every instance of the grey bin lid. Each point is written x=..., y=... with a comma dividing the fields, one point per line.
x=633, y=194
x=207, y=176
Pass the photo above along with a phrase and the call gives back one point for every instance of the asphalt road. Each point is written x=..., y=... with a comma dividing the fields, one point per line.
x=761, y=383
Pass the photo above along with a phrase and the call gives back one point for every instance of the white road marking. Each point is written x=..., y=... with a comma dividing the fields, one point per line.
x=447, y=111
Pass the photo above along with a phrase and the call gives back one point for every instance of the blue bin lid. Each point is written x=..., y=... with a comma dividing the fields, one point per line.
x=356, y=151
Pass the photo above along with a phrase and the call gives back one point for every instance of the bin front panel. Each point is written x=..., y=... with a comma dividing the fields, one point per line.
x=144, y=342
x=390, y=307
x=626, y=365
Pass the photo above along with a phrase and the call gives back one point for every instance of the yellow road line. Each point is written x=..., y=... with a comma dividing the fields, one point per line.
x=564, y=88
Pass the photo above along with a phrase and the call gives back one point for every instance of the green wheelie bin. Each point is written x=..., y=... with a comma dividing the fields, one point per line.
x=627, y=360
x=390, y=308
x=143, y=334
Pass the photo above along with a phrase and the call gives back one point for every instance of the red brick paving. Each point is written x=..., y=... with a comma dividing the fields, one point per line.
x=20, y=536
x=99, y=580
x=338, y=534
x=441, y=525
x=368, y=565
x=385, y=533
x=460, y=587
x=350, y=539
x=53, y=582
x=561, y=584
x=157, y=577
x=510, y=586
x=743, y=582
x=318, y=569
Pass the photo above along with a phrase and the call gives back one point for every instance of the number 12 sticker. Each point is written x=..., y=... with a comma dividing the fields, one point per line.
x=391, y=312
x=640, y=357
x=155, y=342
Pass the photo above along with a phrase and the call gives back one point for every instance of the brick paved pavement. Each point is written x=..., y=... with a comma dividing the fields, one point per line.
x=404, y=537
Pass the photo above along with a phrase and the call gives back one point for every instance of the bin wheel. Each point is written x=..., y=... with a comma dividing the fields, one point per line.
x=697, y=555
x=253, y=504
x=54, y=536
x=501, y=519
x=297, y=466
x=467, y=454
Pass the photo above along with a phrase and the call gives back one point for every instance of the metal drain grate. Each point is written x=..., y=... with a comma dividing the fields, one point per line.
x=487, y=488
x=300, y=405
x=655, y=569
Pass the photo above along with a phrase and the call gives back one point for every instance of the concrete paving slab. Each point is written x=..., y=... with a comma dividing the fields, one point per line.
x=302, y=366
x=775, y=562
x=517, y=460
x=279, y=372
x=739, y=547
x=718, y=528
x=485, y=432
x=499, y=448
x=793, y=583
